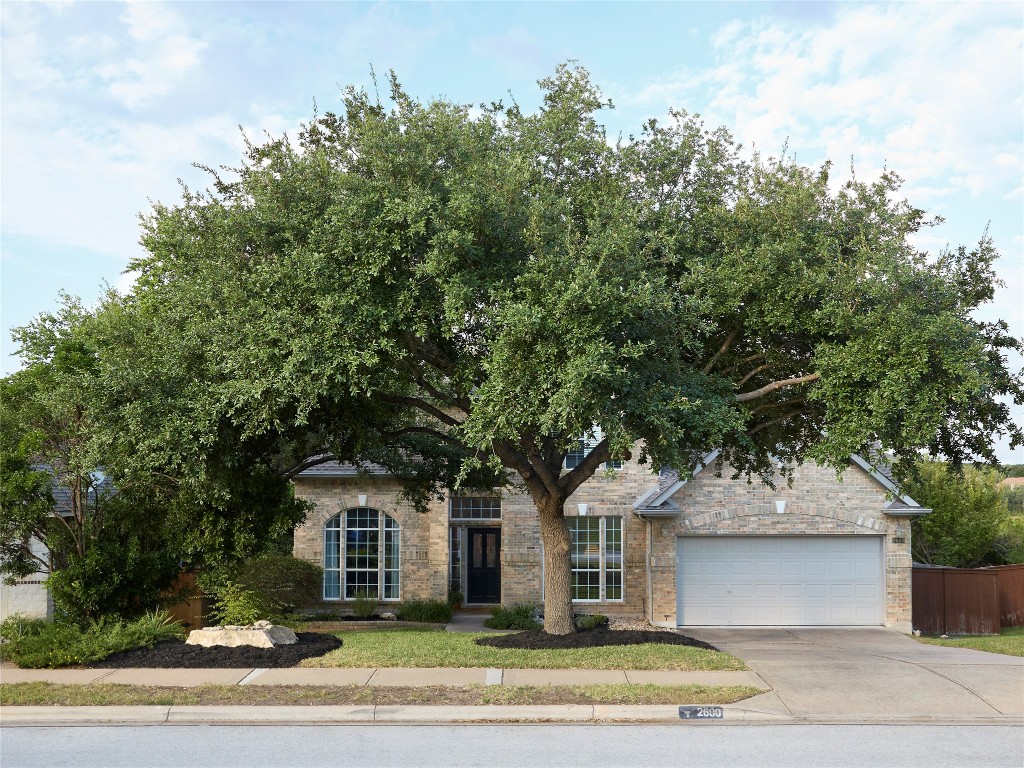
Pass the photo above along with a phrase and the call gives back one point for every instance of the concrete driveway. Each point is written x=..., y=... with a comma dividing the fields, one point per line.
x=871, y=673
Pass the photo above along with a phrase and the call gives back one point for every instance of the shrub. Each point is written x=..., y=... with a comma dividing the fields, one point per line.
x=363, y=605
x=590, y=620
x=283, y=581
x=520, y=616
x=433, y=611
x=36, y=643
x=233, y=604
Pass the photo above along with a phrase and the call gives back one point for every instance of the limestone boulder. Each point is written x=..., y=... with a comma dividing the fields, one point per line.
x=262, y=634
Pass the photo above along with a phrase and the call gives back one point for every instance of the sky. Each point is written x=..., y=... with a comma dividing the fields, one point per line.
x=106, y=107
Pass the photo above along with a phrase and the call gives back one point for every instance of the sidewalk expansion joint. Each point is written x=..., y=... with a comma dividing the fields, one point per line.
x=252, y=676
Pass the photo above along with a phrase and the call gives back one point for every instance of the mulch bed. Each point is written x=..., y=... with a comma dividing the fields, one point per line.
x=175, y=654
x=589, y=638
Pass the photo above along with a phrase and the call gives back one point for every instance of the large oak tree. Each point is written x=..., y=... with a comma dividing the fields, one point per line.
x=460, y=294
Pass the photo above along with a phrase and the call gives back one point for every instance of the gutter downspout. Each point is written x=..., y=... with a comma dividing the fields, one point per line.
x=647, y=568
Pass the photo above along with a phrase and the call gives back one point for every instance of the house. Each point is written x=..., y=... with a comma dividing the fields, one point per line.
x=708, y=550
x=28, y=596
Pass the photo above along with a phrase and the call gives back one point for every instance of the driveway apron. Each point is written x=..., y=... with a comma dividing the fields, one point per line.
x=872, y=672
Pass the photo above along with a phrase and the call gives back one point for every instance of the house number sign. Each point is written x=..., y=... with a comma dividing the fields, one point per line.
x=701, y=713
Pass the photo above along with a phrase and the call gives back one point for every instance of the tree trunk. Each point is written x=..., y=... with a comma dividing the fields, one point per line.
x=558, y=616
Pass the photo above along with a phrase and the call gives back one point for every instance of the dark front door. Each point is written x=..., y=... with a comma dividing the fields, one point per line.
x=483, y=574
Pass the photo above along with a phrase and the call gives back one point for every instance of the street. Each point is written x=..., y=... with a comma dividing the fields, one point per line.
x=515, y=746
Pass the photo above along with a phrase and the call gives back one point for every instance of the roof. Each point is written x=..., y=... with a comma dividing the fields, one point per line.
x=656, y=502
x=1011, y=482
x=335, y=469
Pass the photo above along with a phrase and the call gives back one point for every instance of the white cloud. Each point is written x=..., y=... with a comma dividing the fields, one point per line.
x=933, y=92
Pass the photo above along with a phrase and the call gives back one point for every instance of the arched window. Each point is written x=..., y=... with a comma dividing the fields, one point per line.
x=361, y=555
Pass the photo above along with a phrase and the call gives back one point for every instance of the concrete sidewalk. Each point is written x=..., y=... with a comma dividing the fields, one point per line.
x=385, y=676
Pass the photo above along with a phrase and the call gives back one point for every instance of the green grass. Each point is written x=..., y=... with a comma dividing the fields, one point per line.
x=1009, y=642
x=418, y=648
x=50, y=694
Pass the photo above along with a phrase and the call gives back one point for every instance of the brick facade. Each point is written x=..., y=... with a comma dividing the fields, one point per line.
x=817, y=503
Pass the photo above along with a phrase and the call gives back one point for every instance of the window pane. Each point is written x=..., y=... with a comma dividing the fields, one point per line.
x=585, y=556
x=613, y=558
x=392, y=557
x=475, y=508
x=575, y=456
x=332, y=585
x=332, y=558
x=455, y=557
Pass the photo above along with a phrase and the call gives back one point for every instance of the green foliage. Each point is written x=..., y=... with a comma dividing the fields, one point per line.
x=233, y=603
x=432, y=611
x=455, y=597
x=363, y=605
x=283, y=581
x=462, y=293
x=1014, y=500
x=519, y=616
x=47, y=644
x=591, y=621
x=968, y=517
x=1013, y=470
x=1009, y=544
x=106, y=548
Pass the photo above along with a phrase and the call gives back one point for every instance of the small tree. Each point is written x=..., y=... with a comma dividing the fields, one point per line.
x=968, y=518
x=105, y=552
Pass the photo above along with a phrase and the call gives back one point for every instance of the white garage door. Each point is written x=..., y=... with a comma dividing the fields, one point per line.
x=779, y=580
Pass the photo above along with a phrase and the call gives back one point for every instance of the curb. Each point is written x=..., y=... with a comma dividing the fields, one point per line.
x=366, y=715
x=330, y=714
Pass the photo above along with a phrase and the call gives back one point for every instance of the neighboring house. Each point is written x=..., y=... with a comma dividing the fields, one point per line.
x=28, y=596
x=1010, y=484
x=705, y=551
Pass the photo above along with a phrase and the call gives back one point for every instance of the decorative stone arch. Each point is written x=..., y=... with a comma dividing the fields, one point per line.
x=362, y=554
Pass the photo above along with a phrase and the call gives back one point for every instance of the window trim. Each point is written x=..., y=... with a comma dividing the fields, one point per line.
x=383, y=531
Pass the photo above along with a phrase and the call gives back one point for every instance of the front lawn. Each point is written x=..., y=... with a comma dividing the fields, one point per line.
x=415, y=648
x=49, y=694
x=1009, y=642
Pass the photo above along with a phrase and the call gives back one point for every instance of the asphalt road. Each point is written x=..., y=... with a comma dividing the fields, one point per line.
x=515, y=746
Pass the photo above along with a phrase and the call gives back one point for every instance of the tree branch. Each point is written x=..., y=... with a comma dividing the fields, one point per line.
x=773, y=422
x=745, y=397
x=540, y=466
x=753, y=373
x=778, y=404
x=429, y=353
x=718, y=355
x=302, y=466
x=428, y=431
x=423, y=405
x=511, y=458
x=586, y=468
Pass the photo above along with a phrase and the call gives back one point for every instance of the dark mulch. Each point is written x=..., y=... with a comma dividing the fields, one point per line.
x=589, y=638
x=175, y=654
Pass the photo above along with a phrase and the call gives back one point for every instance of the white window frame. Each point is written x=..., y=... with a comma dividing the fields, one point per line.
x=384, y=532
x=603, y=558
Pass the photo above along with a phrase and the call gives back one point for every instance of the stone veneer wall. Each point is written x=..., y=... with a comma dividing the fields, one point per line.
x=815, y=504
x=424, y=542
x=425, y=536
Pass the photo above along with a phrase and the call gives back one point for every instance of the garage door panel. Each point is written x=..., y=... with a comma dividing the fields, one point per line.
x=780, y=580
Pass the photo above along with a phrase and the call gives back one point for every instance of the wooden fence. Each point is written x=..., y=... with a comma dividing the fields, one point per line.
x=967, y=601
x=193, y=612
